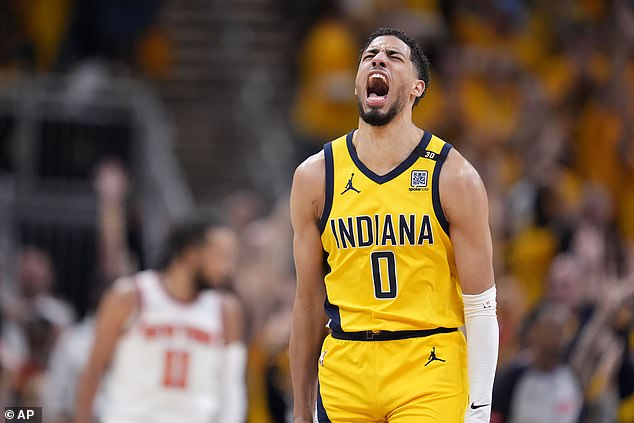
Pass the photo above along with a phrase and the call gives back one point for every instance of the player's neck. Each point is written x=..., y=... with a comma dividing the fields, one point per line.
x=179, y=282
x=546, y=362
x=382, y=148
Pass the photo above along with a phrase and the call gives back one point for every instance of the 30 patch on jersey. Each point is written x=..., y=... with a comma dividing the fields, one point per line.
x=419, y=179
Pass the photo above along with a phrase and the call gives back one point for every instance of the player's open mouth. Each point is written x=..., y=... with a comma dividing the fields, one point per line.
x=377, y=89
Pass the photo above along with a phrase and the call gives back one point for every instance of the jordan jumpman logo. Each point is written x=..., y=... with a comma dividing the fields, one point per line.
x=349, y=186
x=432, y=356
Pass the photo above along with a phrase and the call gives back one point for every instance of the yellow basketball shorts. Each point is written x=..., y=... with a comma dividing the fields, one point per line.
x=415, y=380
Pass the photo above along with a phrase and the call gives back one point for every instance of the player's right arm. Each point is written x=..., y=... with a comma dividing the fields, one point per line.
x=307, y=333
x=114, y=311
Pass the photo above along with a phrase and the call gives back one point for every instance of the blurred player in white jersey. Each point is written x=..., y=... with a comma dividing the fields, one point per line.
x=172, y=346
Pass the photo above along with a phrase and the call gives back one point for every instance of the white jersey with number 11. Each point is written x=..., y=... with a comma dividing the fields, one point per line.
x=167, y=365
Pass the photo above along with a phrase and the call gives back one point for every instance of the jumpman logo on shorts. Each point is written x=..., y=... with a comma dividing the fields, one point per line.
x=349, y=186
x=432, y=356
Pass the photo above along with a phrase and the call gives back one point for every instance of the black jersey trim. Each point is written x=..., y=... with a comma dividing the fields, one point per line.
x=406, y=164
x=435, y=191
x=330, y=182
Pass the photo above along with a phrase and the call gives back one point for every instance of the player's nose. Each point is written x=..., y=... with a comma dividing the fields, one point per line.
x=380, y=60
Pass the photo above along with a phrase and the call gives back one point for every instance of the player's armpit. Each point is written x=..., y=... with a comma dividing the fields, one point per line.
x=307, y=201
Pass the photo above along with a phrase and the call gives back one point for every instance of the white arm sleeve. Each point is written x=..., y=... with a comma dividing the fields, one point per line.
x=482, y=352
x=234, y=401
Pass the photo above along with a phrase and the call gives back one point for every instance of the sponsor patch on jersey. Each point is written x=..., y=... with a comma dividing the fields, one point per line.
x=419, y=180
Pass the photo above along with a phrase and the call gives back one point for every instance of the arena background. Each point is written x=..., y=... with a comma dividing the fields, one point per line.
x=119, y=117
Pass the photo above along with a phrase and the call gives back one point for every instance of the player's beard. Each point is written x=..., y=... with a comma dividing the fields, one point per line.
x=375, y=117
x=202, y=283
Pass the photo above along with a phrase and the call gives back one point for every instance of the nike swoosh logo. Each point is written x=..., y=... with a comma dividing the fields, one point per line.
x=475, y=407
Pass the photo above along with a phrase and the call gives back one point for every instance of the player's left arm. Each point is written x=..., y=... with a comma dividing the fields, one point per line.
x=465, y=204
x=234, y=403
x=118, y=306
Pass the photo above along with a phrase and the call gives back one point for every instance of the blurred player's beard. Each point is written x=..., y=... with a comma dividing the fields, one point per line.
x=376, y=118
x=202, y=283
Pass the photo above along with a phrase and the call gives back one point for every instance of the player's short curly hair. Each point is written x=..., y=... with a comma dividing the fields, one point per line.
x=186, y=233
x=418, y=58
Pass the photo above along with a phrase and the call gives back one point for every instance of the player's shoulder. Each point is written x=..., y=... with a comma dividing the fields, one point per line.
x=125, y=286
x=308, y=192
x=309, y=182
x=124, y=294
x=311, y=169
x=462, y=192
x=458, y=174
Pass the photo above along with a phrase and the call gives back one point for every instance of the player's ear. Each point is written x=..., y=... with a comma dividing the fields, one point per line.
x=418, y=88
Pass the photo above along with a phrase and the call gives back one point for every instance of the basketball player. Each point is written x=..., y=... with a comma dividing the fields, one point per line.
x=408, y=260
x=173, y=346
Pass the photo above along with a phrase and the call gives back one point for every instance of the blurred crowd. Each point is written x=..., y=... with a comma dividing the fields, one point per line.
x=538, y=95
x=56, y=35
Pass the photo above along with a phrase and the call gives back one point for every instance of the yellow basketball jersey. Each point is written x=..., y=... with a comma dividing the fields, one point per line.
x=390, y=261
